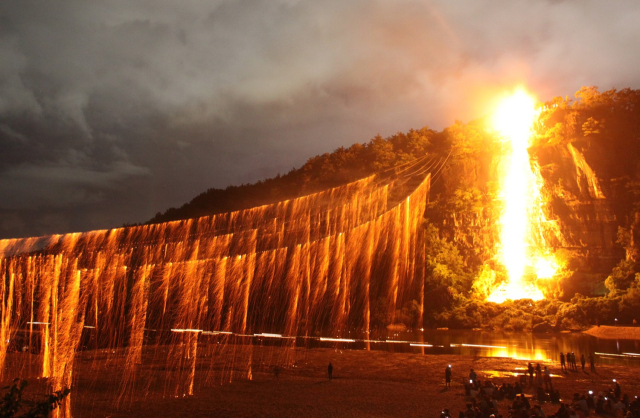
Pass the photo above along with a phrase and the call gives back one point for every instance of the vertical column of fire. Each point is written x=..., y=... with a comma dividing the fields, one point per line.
x=514, y=120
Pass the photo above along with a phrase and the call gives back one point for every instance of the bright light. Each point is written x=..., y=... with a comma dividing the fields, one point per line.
x=546, y=268
x=340, y=340
x=520, y=192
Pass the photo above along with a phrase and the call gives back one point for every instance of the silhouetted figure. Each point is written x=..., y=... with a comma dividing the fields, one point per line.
x=563, y=366
x=541, y=394
x=562, y=412
x=600, y=405
x=276, y=371
x=547, y=379
x=592, y=363
x=531, y=370
x=330, y=370
x=617, y=391
x=447, y=377
x=472, y=377
x=582, y=361
x=538, y=412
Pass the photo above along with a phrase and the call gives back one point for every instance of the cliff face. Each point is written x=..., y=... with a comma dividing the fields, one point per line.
x=588, y=152
x=586, y=157
x=583, y=225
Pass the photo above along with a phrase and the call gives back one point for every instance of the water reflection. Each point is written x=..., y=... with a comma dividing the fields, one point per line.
x=521, y=346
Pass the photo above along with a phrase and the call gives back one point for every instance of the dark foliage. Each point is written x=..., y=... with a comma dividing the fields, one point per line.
x=14, y=404
x=318, y=173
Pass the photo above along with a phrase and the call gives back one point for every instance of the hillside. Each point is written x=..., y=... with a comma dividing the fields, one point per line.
x=587, y=152
x=318, y=173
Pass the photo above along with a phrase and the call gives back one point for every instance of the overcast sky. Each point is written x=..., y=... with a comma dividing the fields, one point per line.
x=112, y=111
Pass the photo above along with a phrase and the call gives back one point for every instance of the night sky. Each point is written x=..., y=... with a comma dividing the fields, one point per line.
x=112, y=111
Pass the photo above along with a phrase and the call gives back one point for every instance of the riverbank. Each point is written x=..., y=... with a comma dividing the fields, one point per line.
x=615, y=333
x=366, y=384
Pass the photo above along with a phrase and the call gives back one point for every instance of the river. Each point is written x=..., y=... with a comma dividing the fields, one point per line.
x=520, y=345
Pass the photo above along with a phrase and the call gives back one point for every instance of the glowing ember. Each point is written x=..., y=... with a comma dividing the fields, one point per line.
x=522, y=213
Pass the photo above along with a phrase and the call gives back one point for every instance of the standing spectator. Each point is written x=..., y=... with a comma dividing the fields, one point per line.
x=592, y=363
x=582, y=361
x=547, y=379
x=447, y=377
x=330, y=370
x=472, y=377
x=563, y=366
x=531, y=370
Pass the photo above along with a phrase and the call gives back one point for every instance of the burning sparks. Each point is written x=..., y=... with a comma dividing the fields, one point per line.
x=520, y=191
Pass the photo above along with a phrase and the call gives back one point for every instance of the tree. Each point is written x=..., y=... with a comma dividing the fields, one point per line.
x=13, y=403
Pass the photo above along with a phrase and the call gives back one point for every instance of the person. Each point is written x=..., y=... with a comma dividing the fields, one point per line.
x=547, y=379
x=562, y=412
x=531, y=369
x=580, y=403
x=592, y=363
x=472, y=377
x=582, y=361
x=563, y=366
x=541, y=394
x=537, y=411
x=330, y=370
x=470, y=412
x=447, y=377
x=616, y=390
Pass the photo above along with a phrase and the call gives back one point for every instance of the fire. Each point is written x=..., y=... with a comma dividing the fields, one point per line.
x=520, y=191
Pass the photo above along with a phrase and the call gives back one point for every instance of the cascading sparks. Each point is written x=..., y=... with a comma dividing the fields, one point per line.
x=524, y=259
x=198, y=296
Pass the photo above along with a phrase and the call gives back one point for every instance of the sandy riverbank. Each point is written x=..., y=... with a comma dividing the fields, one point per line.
x=366, y=384
x=615, y=333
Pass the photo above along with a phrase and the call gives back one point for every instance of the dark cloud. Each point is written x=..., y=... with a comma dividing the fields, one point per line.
x=112, y=111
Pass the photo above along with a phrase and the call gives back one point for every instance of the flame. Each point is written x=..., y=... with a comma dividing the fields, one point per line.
x=520, y=190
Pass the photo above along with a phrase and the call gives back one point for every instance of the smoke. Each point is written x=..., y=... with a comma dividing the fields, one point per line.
x=110, y=112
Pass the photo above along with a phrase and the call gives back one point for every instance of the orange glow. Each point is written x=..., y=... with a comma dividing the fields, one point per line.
x=522, y=216
x=187, y=291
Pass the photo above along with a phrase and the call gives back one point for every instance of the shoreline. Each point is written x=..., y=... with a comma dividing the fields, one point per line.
x=607, y=332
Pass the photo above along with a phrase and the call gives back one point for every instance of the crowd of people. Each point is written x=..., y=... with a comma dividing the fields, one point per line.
x=484, y=398
x=570, y=360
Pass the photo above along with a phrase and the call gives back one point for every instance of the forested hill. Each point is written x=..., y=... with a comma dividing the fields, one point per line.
x=587, y=151
x=318, y=173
